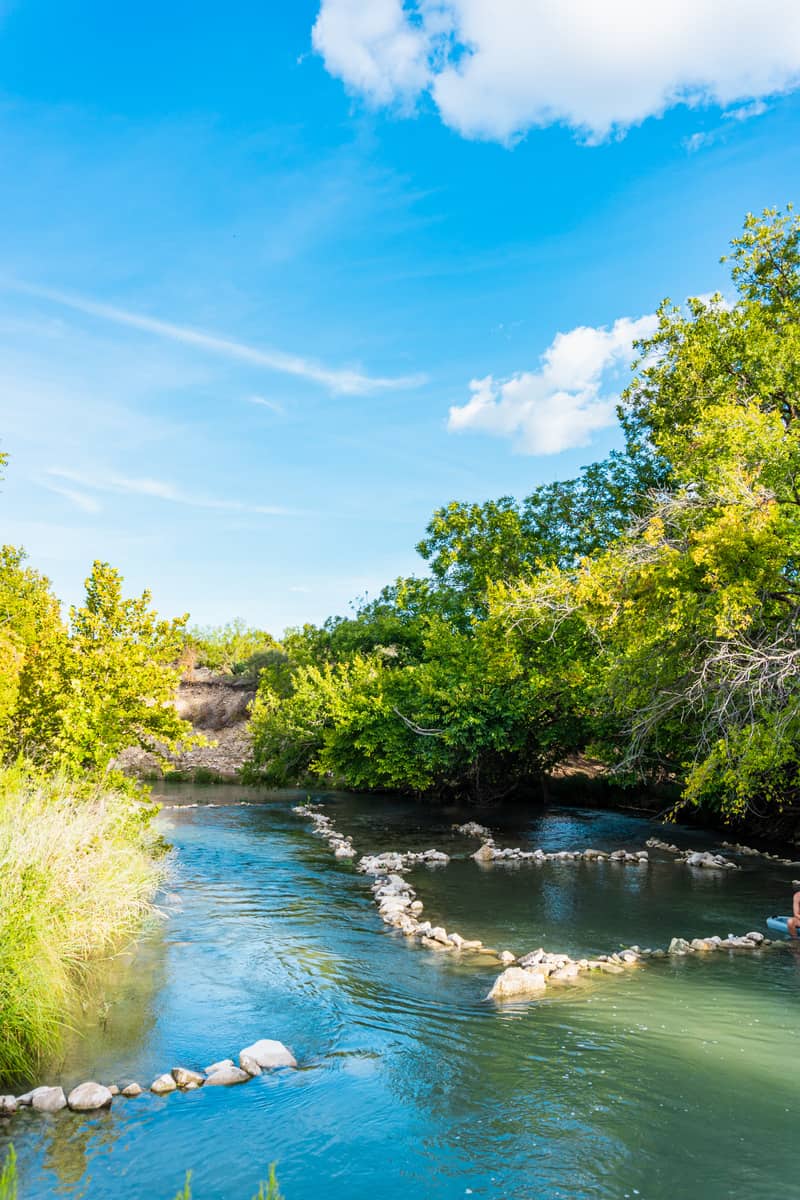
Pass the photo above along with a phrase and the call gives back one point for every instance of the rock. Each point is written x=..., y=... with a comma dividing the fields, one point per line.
x=679, y=946
x=223, y=1062
x=434, y=944
x=183, y=1077
x=8, y=1106
x=48, y=1099
x=486, y=853
x=249, y=1064
x=566, y=973
x=226, y=1077
x=87, y=1097
x=507, y=958
x=112, y=1087
x=756, y=937
x=473, y=944
x=703, y=944
x=457, y=940
x=269, y=1054
x=516, y=981
x=162, y=1085
x=438, y=934
x=132, y=1089
x=611, y=968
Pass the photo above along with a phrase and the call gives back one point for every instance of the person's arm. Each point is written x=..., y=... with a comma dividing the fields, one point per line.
x=796, y=905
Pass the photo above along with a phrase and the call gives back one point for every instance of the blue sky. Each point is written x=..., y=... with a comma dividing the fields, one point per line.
x=247, y=270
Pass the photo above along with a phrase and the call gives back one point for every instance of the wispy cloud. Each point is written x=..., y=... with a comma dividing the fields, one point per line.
x=338, y=379
x=158, y=489
x=263, y=402
x=78, y=499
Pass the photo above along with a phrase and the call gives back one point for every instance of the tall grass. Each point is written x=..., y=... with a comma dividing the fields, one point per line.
x=78, y=867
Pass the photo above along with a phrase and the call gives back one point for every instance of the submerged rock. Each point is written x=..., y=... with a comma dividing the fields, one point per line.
x=269, y=1054
x=87, y=1097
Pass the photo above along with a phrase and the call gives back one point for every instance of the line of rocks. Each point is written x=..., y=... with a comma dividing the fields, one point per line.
x=396, y=860
x=490, y=853
x=750, y=852
x=534, y=972
x=695, y=858
x=263, y=1055
x=399, y=907
x=341, y=846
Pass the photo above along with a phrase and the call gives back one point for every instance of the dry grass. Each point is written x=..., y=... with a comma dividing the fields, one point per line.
x=78, y=868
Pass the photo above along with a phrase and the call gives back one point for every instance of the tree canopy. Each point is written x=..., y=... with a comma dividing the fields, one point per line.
x=646, y=610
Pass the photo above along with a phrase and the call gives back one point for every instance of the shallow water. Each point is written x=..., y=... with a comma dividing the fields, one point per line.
x=676, y=1080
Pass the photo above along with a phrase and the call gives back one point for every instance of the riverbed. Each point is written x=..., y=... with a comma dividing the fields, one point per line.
x=678, y=1079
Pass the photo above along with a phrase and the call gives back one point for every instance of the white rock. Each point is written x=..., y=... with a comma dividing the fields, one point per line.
x=48, y=1099
x=507, y=958
x=217, y=1066
x=268, y=1054
x=132, y=1089
x=249, y=1064
x=87, y=1097
x=486, y=853
x=226, y=1077
x=8, y=1106
x=679, y=946
x=162, y=1085
x=515, y=981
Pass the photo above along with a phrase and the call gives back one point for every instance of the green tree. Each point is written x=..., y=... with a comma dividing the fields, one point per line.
x=120, y=677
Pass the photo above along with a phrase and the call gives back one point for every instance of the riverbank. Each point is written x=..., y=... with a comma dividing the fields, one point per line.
x=80, y=865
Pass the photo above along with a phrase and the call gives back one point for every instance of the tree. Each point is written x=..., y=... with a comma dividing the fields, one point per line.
x=120, y=678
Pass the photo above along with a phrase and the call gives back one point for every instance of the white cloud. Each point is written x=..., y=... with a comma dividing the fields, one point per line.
x=496, y=68
x=338, y=379
x=562, y=404
x=263, y=402
x=76, y=498
x=158, y=489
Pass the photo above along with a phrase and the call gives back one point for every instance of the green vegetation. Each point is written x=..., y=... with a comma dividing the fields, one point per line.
x=646, y=612
x=268, y=1190
x=235, y=648
x=78, y=863
x=74, y=693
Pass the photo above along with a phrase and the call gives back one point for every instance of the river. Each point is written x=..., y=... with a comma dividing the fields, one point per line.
x=679, y=1079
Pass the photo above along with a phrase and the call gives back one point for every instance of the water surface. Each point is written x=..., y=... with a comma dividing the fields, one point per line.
x=678, y=1080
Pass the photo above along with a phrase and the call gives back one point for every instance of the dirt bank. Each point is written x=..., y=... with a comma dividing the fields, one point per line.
x=216, y=707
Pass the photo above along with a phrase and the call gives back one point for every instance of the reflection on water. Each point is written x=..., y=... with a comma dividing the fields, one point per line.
x=678, y=1080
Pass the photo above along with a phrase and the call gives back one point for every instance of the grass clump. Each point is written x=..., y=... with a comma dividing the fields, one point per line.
x=267, y=1190
x=78, y=868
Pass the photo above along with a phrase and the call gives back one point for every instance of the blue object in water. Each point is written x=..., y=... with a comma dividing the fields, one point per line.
x=779, y=925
